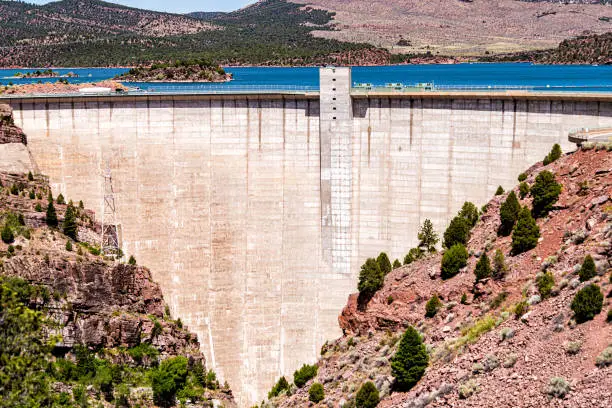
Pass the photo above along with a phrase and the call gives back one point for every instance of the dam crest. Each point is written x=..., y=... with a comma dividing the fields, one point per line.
x=255, y=211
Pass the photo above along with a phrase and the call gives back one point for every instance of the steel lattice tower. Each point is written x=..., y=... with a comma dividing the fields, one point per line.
x=110, y=233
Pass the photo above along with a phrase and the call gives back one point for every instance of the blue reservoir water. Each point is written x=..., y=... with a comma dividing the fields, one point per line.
x=576, y=78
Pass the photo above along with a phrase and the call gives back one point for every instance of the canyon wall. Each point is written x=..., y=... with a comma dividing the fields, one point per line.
x=255, y=212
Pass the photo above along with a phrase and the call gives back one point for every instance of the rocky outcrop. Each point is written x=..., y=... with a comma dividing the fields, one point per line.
x=9, y=133
x=93, y=301
x=481, y=353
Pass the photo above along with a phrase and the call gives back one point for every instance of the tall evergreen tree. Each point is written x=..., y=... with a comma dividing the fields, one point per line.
x=470, y=213
x=499, y=265
x=371, y=278
x=51, y=217
x=70, y=225
x=508, y=214
x=7, y=234
x=367, y=396
x=458, y=232
x=554, y=154
x=428, y=238
x=409, y=363
x=588, y=269
x=384, y=263
x=483, y=268
x=545, y=192
x=526, y=233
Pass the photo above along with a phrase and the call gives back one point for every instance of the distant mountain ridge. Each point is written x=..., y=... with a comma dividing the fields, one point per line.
x=463, y=28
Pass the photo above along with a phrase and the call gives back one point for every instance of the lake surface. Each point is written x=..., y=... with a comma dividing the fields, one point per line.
x=577, y=78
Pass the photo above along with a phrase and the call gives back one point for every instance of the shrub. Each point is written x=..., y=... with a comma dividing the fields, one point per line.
x=499, y=265
x=132, y=260
x=413, y=255
x=383, y=263
x=428, y=239
x=168, y=379
x=14, y=189
x=605, y=358
x=60, y=199
x=32, y=195
x=545, y=282
x=498, y=300
x=587, y=303
x=609, y=316
x=81, y=205
x=11, y=249
x=588, y=269
x=371, y=278
x=573, y=347
x=7, y=234
x=30, y=176
x=458, y=232
x=524, y=190
x=38, y=207
x=68, y=245
x=554, y=155
x=508, y=214
x=281, y=385
x=367, y=396
x=157, y=328
x=545, y=193
x=500, y=191
x=304, y=374
x=397, y=264
x=526, y=233
x=69, y=226
x=491, y=362
x=470, y=213
x=432, y=306
x=520, y=309
x=522, y=177
x=558, y=387
x=51, y=218
x=506, y=333
x=409, y=363
x=453, y=260
x=468, y=389
x=483, y=268
x=142, y=350
x=316, y=393
x=510, y=361
x=464, y=299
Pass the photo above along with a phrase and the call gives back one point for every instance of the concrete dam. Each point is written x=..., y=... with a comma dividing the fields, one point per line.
x=255, y=211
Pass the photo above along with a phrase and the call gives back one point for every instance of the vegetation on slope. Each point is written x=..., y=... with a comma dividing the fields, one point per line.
x=180, y=71
x=77, y=329
x=270, y=32
x=531, y=322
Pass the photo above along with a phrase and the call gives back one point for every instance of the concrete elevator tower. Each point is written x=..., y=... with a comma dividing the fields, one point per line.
x=336, y=116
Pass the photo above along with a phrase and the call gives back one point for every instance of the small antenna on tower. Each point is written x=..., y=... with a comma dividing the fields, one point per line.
x=109, y=245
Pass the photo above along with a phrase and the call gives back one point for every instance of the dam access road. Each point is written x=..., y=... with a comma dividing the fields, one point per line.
x=255, y=210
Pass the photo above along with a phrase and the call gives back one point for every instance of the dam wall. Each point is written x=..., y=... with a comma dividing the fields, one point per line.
x=255, y=212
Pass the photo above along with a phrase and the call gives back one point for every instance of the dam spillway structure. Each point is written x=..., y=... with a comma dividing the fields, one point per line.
x=254, y=210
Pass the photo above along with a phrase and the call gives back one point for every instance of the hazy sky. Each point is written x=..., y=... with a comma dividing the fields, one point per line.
x=178, y=6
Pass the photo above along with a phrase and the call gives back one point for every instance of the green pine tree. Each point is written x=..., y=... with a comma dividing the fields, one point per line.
x=483, y=268
x=428, y=237
x=409, y=363
x=545, y=193
x=508, y=214
x=70, y=225
x=367, y=396
x=499, y=265
x=453, y=260
x=587, y=303
x=526, y=233
x=432, y=306
x=470, y=213
x=371, y=278
x=458, y=232
x=554, y=155
x=500, y=191
x=588, y=270
x=384, y=263
x=51, y=217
